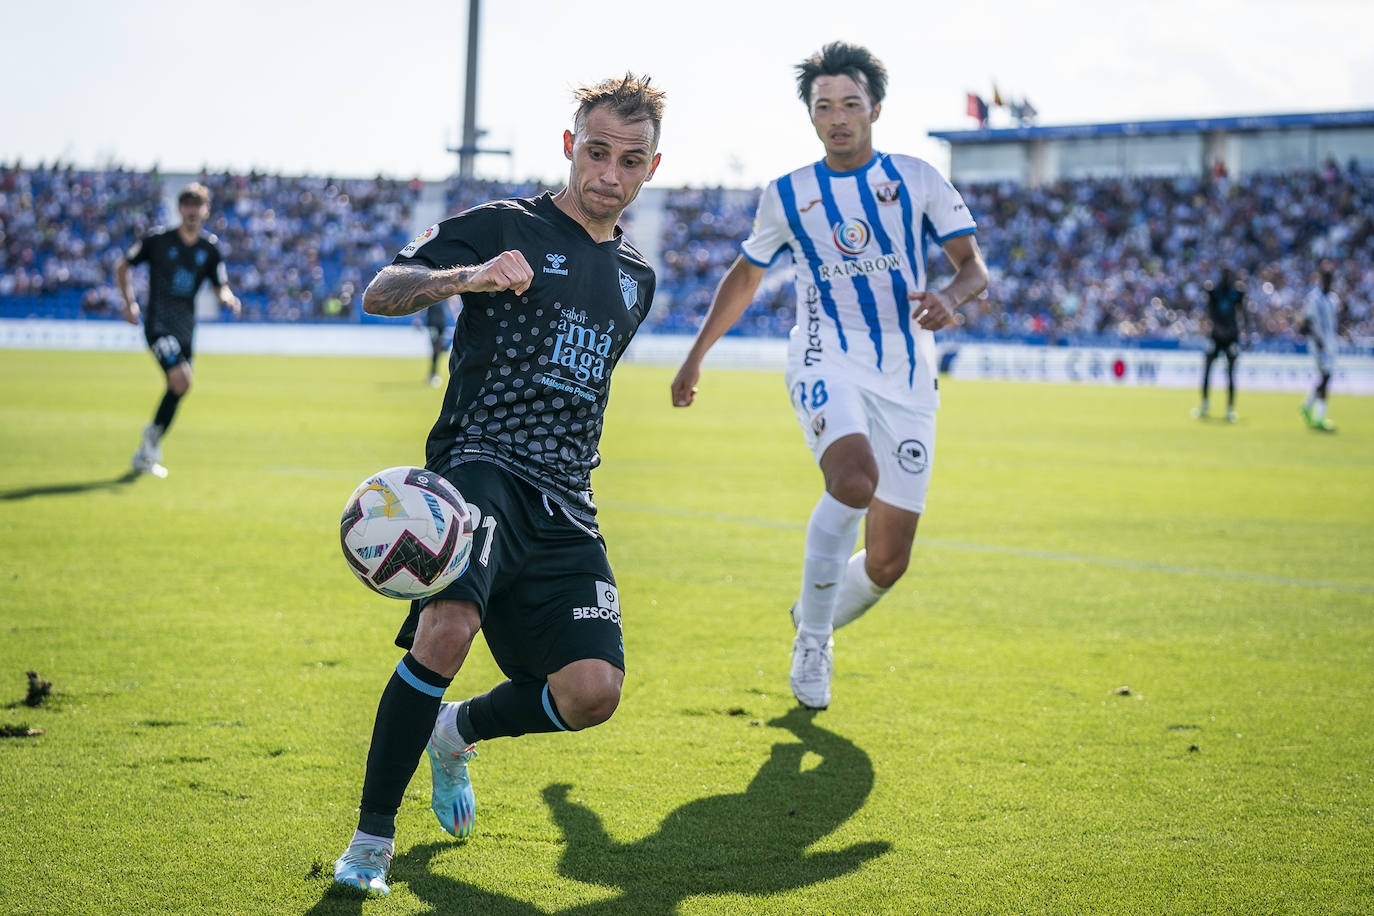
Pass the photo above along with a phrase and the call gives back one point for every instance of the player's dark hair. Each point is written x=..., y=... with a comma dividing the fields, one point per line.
x=839, y=58
x=630, y=98
x=194, y=193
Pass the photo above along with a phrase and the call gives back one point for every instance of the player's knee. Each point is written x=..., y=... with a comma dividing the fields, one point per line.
x=445, y=631
x=590, y=705
x=885, y=571
x=178, y=382
x=587, y=693
x=853, y=487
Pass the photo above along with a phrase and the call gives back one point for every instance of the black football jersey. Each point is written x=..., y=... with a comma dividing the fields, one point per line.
x=1223, y=307
x=175, y=272
x=529, y=374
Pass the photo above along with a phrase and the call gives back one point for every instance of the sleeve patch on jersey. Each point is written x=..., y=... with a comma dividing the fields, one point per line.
x=133, y=251
x=420, y=241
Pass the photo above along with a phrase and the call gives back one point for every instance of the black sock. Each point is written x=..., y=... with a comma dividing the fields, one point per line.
x=405, y=717
x=165, y=411
x=510, y=709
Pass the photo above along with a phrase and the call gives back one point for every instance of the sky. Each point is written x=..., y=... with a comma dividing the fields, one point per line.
x=356, y=89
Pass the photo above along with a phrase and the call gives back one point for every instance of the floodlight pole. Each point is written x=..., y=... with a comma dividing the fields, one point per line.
x=467, y=151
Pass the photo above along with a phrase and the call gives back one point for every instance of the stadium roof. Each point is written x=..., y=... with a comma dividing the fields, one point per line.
x=1178, y=126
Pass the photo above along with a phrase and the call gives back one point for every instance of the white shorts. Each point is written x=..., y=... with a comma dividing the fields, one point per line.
x=1326, y=359
x=830, y=404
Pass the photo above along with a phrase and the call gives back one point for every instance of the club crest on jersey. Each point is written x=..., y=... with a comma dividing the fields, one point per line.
x=889, y=192
x=629, y=290
x=852, y=236
x=912, y=456
x=556, y=264
x=420, y=240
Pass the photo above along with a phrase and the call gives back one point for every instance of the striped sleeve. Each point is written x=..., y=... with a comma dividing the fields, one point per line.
x=945, y=207
x=771, y=232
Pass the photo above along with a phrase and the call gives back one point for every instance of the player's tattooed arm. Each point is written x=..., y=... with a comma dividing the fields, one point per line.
x=403, y=289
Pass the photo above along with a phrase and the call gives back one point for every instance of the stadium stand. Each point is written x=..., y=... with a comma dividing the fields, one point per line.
x=1090, y=259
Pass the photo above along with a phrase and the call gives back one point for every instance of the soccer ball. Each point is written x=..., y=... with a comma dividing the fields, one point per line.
x=406, y=532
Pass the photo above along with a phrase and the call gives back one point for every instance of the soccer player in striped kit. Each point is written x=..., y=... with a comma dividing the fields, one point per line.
x=1320, y=322
x=861, y=369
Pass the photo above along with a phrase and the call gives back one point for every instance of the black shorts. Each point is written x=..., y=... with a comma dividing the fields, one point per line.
x=1230, y=347
x=540, y=579
x=170, y=350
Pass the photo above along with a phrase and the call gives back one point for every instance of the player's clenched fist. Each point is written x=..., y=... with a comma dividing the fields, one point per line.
x=508, y=270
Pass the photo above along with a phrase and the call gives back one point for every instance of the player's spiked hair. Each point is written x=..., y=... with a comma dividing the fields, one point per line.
x=839, y=58
x=194, y=193
x=630, y=97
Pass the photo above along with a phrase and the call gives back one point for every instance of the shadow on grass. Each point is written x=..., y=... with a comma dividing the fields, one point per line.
x=753, y=843
x=62, y=489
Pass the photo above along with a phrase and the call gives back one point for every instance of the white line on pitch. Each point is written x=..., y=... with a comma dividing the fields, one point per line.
x=1029, y=552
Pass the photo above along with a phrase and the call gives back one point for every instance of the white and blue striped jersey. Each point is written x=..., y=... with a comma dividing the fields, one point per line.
x=857, y=242
x=1320, y=310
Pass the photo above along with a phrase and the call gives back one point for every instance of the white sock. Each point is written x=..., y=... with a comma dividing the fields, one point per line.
x=446, y=726
x=1319, y=409
x=830, y=538
x=387, y=841
x=858, y=592
x=1311, y=396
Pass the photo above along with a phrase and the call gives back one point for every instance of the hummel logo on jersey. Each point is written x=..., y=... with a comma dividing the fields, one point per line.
x=810, y=205
x=629, y=290
x=555, y=264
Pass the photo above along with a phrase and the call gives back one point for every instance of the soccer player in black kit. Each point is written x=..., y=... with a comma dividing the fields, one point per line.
x=179, y=260
x=551, y=295
x=436, y=322
x=1225, y=312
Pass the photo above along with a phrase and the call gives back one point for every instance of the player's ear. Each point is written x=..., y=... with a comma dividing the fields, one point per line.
x=877, y=108
x=653, y=166
x=567, y=144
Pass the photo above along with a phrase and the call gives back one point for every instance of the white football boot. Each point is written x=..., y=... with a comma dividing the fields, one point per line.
x=812, y=665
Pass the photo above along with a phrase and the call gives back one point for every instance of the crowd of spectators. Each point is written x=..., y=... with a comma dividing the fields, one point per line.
x=464, y=193
x=1128, y=257
x=702, y=231
x=1118, y=258
x=304, y=247
x=62, y=228
x=297, y=248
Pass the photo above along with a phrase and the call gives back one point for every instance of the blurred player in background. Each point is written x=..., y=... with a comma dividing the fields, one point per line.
x=1226, y=314
x=861, y=367
x=552, y=294
x=179, y=260
x=1321, y=315
x=436, y=322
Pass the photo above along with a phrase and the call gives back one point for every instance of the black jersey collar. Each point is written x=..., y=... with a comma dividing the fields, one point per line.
x=545, y=205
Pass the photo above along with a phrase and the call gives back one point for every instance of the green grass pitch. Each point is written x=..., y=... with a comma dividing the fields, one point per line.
x=216, y=668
